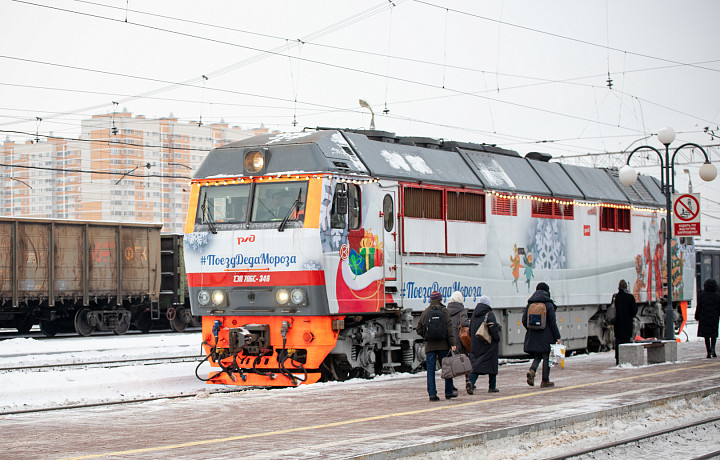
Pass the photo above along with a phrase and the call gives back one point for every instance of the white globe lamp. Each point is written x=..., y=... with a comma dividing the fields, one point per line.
x=628, y=175
x=708, y=172
x=666, y=136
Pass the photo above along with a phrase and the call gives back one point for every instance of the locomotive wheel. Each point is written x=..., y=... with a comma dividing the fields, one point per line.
x=82, y=326
x=122, y=327
x=143, y=321
x=49, y=328
x=177, y=322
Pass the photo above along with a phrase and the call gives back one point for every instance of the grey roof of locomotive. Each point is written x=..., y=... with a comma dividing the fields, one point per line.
x=383, y=155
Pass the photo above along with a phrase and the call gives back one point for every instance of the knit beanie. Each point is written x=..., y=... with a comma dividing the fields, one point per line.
x=457, y=297
x=543, y=287
x=435, y=295
x=485, y=300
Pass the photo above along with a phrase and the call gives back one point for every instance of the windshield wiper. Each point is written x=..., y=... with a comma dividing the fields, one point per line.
x=208, y=218
x=294, y=207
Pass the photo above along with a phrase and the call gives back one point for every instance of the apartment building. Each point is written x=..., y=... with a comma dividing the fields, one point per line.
x=122, y=168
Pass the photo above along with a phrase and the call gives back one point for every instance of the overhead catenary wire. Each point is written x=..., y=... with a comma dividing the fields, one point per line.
x=174, y=18
x=416, y=119
x=277, y=53
x=563, y=37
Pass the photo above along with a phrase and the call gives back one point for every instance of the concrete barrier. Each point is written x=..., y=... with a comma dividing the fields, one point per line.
x=660, y=351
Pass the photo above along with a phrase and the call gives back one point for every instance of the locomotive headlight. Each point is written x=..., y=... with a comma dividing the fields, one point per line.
x=204, y=297
x=218, y=297
x=297, y=296
x=282, y=296
x=254, y=161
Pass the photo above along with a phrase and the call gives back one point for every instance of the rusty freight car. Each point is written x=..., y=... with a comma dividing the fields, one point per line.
x=78, y=275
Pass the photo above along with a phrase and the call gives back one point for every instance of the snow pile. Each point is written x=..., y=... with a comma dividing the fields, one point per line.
x=585, y=435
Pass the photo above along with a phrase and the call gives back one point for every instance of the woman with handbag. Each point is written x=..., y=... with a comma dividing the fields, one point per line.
x=459, y=317
x=484, y=355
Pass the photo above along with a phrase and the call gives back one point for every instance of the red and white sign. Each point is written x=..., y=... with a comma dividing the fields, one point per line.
x=686, y=214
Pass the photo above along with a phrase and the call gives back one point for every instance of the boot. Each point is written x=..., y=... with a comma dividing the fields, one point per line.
x=531, y=378
x=469, y=387
x=546, y=384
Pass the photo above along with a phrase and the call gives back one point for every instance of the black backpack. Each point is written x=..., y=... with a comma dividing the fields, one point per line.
x=434, y=326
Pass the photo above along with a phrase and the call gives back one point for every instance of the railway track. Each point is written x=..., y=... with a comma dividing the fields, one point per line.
x=679, y=434
x=203, y=393
x=104, y=364
x=7, y=334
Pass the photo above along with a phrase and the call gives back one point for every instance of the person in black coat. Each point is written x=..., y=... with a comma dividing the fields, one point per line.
x=484, y=356
x=707, y=314
x=537, y=342
x=437, y=349
x=625, y=311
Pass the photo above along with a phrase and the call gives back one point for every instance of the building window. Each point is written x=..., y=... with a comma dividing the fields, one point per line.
x=550, y=209
x=465, y=206
x=504, y=206
x=424, y=203
x=614, y=219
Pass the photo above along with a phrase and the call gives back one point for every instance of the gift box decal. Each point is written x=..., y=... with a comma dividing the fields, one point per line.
x=356, y=262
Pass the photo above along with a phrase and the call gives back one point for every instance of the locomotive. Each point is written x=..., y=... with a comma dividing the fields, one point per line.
x=87, y=276
x=311, y=255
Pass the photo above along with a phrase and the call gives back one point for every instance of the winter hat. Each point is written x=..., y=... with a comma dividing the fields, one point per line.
x=457, y=297
x=485, y=300
x=435, y=295
x=542, y=287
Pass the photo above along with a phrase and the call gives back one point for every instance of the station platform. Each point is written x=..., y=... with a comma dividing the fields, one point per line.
x=387, y=417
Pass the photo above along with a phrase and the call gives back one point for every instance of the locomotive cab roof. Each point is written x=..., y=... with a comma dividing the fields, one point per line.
x=383, y=155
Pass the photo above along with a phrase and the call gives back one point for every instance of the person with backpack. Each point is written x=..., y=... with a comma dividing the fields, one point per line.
x=541, y=332
x=625, y=311
x=435, y=326
x=459, y=317
x=483, y=355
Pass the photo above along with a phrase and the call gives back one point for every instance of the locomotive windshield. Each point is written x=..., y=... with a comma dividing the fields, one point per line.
x=232, y=205
x=223, y=205
x=274, y=201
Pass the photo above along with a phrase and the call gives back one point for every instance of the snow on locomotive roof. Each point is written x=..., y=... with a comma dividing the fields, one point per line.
x=418, y=159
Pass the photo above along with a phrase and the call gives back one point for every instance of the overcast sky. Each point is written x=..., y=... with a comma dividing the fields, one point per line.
x=523, y=74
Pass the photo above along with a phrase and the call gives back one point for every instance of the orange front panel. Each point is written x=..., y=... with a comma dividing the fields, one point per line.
x=192, y=208
x=313, y=334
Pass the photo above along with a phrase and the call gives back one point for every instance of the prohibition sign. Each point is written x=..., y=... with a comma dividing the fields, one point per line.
x=686, y=208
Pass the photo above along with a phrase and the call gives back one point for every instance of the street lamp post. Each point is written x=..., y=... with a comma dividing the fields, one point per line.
x=628, y=176
x=364, y=104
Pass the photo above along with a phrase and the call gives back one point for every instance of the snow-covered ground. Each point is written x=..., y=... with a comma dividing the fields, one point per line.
x=58, y=387
x=53, y=388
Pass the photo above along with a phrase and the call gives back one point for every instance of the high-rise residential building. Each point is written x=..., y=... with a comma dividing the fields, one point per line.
x=122, y=168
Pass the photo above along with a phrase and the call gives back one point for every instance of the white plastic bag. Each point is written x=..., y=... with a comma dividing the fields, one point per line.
x=557, y=355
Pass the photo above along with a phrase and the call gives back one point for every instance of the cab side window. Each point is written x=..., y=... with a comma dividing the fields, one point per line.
x=346, y=201
x=354, y=206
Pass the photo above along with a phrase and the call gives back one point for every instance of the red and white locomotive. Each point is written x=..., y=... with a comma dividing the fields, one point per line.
x=312, y=254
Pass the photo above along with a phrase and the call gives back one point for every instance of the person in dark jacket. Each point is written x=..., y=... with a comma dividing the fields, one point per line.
x=484, y=356
x=625, y=311
x=707, y=313
x=459, y=316
x=537, y=342
x=436, y=350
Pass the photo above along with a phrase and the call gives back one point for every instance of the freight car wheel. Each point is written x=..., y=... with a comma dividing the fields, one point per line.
x=143, y=321
x=24, y=324
x=49, y=328
x=122, y=327
x=177, y=322
x=82, y=326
